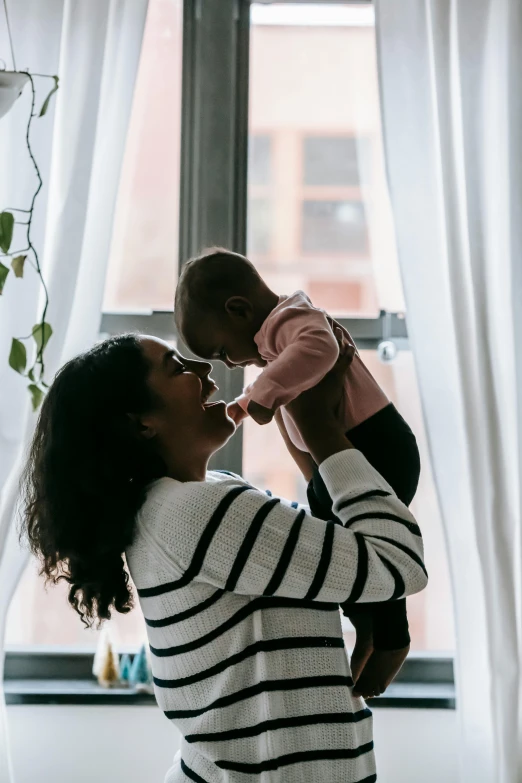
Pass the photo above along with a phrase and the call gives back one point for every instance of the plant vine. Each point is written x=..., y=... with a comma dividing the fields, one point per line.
x=42, y=330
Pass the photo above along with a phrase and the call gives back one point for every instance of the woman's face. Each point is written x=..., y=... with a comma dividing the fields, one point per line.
x=183, y=421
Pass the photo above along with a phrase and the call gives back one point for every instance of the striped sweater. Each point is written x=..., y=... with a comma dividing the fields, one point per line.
x=240, y=594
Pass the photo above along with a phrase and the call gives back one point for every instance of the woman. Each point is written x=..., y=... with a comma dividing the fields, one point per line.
x=240, y=591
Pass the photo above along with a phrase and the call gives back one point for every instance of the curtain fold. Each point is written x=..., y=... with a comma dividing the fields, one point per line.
x=95, y=49
x=450, y=84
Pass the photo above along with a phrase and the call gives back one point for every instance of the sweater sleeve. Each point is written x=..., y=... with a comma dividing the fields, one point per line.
x=307, y=350
x=234, y=537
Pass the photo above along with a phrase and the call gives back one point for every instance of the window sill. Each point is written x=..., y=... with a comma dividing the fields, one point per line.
x=401, y=695
x=71, y=692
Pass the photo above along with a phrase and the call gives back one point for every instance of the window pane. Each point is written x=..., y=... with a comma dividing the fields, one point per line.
x=314, y=94
x=142, y=272
x=143, y=264
x=331, y=161
x=334, y=227
x=267, y=464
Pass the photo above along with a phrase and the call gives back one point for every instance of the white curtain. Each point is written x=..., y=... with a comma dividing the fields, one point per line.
x=94, y=47
x=450, y=74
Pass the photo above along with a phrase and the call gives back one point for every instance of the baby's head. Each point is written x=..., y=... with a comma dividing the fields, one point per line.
x=221, y=302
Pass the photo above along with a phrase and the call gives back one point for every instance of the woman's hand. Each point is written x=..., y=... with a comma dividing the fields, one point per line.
x=315, y=411
x=259, y=413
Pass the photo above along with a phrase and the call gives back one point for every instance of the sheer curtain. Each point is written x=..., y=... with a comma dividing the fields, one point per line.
x=95, y=49
x=452, y=114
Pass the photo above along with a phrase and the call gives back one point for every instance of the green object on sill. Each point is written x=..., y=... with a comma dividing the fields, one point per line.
x=140, y=674
x=125, y=669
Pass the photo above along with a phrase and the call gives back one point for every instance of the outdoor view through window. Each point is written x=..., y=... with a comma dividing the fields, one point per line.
x=319, y=219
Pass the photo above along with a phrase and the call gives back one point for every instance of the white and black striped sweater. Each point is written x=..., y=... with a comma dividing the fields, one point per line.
x=240, y=593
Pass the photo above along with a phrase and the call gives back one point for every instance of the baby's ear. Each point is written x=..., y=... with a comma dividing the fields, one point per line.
x=238, y=307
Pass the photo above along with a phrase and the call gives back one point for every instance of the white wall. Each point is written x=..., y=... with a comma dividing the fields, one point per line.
x=416, y=746
x=56, y=744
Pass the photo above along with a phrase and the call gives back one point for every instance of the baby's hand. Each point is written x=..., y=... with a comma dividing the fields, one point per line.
x=346, y=347
x=259, y=413
x=380, y=670
x=236, y=413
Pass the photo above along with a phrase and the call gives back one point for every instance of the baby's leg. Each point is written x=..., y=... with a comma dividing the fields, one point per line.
x=389, y=445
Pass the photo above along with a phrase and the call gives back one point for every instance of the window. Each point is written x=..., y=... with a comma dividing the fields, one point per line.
x=313, y=88
x=314, y=94
x=318, y=218
x=141, y=275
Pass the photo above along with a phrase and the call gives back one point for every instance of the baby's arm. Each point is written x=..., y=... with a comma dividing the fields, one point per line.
x=302, y=459
x=236, y=412
x=308, y=349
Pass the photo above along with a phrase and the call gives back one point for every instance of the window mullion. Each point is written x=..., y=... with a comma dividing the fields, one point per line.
x=214, y=148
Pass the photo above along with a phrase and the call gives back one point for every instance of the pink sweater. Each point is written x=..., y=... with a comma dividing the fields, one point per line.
x=300, y=347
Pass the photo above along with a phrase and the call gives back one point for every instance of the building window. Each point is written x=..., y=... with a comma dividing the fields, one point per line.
x=331, y=160
x=334, y=227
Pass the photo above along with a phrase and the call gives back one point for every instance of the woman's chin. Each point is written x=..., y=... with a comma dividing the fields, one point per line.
x=218, y=412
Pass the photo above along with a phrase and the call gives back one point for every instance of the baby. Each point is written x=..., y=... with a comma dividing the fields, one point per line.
x=224, y=310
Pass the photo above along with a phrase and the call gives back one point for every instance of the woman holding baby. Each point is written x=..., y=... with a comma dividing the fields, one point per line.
x=240, y=591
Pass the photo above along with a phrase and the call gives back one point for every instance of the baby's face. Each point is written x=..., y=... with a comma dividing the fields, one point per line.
x=226, y=340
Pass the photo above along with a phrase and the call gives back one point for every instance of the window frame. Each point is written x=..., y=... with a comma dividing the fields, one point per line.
x=213, y=203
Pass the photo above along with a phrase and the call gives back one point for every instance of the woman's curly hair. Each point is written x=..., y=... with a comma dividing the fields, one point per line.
x=86, y=475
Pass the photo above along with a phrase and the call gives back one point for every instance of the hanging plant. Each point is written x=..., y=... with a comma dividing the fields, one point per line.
x=13, y=260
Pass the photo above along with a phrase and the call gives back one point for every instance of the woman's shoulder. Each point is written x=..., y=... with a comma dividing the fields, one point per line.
x=175, y=513
x=167, y=493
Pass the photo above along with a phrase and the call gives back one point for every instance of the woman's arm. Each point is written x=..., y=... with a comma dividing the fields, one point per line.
x=232, y=536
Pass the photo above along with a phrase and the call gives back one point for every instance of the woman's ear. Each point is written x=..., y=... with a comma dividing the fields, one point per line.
x=239, y=307
x=142, y=429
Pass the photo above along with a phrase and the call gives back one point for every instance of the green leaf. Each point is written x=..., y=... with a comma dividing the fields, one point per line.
x=45, y=104
x=17, y=265
x=30, y=375
x=41, y=334
x=36, y=395
x=18, y=356
x=6, y=230
x=4, y=271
